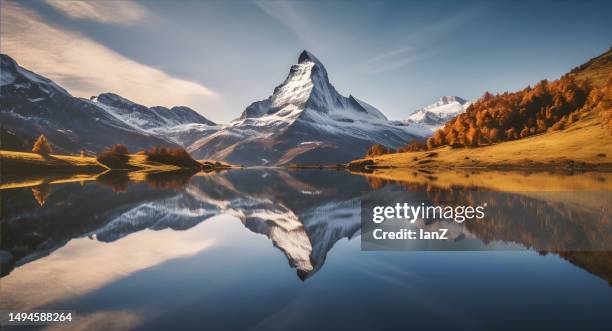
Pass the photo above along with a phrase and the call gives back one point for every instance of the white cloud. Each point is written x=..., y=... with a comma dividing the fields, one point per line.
x=122, y=12
x=86, y=68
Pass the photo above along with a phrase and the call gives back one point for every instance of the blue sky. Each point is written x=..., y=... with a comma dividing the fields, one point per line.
x=219, y=56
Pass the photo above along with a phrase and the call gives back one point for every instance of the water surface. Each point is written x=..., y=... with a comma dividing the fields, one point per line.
x=271, y=249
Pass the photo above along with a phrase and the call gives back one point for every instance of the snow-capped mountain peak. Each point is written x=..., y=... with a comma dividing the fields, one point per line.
x=305, y=107
x=307, y=88
x=446, y=100
x=434, y=116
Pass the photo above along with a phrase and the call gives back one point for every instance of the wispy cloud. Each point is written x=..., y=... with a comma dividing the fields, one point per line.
x=285, y=13
x=121, y=12
x=421, y=43
x=389, y=54
x=86, y=67
x=399, y=58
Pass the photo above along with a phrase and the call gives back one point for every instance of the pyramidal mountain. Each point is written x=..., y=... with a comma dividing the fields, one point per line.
x=305, y=120
x=31, y=104
x=433, y=116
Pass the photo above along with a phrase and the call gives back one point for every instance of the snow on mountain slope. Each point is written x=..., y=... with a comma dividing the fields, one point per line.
x=433, y=116
x=146, y=118
x=185, y=134
x=31, y=104
x=180, y=124
x=306, y=107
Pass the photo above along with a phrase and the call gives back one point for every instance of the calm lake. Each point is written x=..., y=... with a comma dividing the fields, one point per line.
x=268, y=249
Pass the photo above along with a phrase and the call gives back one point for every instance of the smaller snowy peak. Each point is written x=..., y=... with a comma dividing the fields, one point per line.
x=20, y=78
x=434, y=116
x=446, y=100
x=117, y=101
x=147, y=118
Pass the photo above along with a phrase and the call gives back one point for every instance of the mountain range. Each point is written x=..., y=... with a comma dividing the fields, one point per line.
x=31, y=104
x=305, y=120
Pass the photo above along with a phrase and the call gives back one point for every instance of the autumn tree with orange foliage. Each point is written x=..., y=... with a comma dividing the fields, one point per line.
x=377, y=150
x=116, y=157
x=413, y=146
x=600, y=101
x=42, y=146
x=509, y=116
x=173, y=156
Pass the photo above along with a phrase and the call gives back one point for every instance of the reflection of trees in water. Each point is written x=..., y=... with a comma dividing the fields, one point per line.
x=120, y=180
x=548, y=222
x=117, y=180
x=41, y=193
x=170, y=179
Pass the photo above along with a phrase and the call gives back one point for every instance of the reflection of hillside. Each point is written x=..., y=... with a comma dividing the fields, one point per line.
x=575, y=225
x=509, y=181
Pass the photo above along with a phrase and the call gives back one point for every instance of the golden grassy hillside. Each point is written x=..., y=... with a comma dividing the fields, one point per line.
x=140, y=162
x=21, y=162
x=596, y=70
x=584, y=145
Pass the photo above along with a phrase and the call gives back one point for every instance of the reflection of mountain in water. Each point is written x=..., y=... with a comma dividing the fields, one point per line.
x=30, y=231
x=303, y=213
x=271, y=203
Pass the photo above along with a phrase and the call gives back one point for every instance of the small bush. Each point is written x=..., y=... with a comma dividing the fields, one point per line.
x=378, y=149
x=116, y=157
x=172, y=156
x=42, y=146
